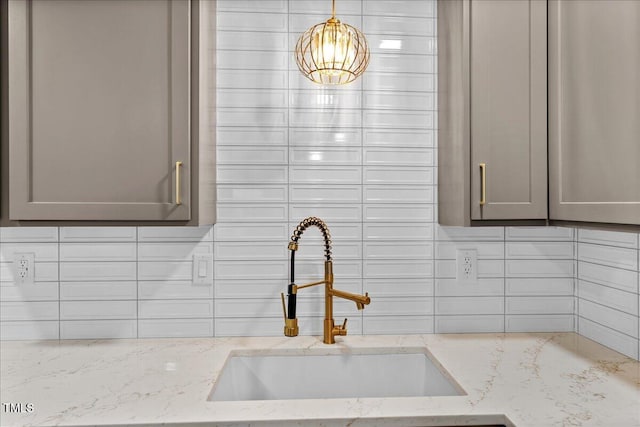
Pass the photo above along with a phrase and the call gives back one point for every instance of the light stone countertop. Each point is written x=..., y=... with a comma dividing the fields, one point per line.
x=533, y=380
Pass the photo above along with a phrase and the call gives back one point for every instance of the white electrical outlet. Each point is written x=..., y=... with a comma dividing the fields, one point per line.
x=467, y=265
x=24, y=265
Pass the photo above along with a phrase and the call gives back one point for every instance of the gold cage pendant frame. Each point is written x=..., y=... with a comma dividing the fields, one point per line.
x=332, y=53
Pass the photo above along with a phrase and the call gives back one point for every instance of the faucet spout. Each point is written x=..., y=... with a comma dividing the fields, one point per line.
x=360, y=300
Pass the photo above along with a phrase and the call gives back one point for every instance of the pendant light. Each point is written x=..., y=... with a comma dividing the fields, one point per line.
x=332, y=52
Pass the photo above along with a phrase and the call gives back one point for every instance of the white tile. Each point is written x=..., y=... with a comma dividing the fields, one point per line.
x=398, y=156
x=611, y=238
x=27, y=311
x=608, y=255
x=251, y=232
x=97, y=310
x=614, y=298
x=310, y=250
x=98, y=329
x=539, y=323
x=241, y=174
x=386, y=325
x=405, y=82
x=339, y=138
x=252, y=6
x=539, y=287
x=251, y=40
x=325, y=156
x=340, y=231
x=346, y=7
x=28, y=234
x=239, y=21
x=166, y=309
x=539, y=233
x=326, y=97
x=398, y=250
x=251, y=155
x=539, y=250
x=402, y=63
x=255, y=327
x=615, y=340
x=399, y=138
x=175, y=234
x=398, y=213
x=483, y=287
x=272, y=307
x=41, y=330
x=325, y=193
x=97, y=290
x=97, y=271
x=399, y=306
x=36, y=292
x=418, y=269
x=253, y=136
x=399, y=8
x=330, y=117
x=172, y=251
x=486, y=269
x=418, y=101
x=301, y=22
x=403, y=231
x=165, y=270
x=251, y=117
x=253, y=270
x=251, y=250
x=97, y=252
x=540, y=305
x=175, y=328
x=251, y=60
x=485, y=250
x=328, y=212
x=539, y=268
x=397, y=194
x=469, y=324
x=398, y=119
x=613, y=319
x=399, y=25
x=298, y=81
x=44, y=252
x=173, y=289
x=311, y=271
x=252, y=213
x=97, y=234
x=401, y=43
x=469, y=233
x=469, y=305
x=325, y=175
x=251, y=79
x=392, y=287
x=247, y=193
x=625, y=280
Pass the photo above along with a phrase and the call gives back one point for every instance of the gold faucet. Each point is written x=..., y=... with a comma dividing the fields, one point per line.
x=290, y=320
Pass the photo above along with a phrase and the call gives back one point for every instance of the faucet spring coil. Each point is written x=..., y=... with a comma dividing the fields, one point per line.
x=306, y=223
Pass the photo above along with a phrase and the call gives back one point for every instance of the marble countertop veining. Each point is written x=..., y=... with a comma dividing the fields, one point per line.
x=519, y=380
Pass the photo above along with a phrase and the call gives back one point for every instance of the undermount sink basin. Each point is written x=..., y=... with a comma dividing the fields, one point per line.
x=322, y=374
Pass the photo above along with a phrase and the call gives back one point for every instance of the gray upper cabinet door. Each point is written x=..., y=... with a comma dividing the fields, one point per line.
x=508, y=96
x=99, y=110
x=594, y=106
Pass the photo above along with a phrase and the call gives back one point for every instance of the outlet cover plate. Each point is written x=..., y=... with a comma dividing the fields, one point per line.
x=467, y=265
x=24, y=266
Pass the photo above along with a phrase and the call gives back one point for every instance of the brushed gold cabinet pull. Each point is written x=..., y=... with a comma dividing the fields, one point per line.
x=483, y=184
x=178, y=198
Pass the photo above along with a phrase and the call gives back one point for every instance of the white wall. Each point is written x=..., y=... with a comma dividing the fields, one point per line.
x=361, y=157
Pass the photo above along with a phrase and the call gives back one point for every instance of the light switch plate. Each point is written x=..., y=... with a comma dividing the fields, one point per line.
x=202, y=269
x=24, y=266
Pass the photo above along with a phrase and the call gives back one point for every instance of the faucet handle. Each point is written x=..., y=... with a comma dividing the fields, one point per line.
x=340, y=330
x=344, y=324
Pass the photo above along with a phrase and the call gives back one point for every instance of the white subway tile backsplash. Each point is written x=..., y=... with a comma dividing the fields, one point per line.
x=539, y=233
x=539, y=268
x=398, y=119
x=246, y=174
x=394, y=194
x=469, y=305
x=539, y=287
x=424, y=101
x=398, y=175
x=398, y=156
x=539, y=323
x=325, y=175
x=256, y=193
x=328, y=212
x=30, y=330
x=253, y=270
x=402, y=250
x=486, y=269
x=251, y=155
x=10, y=291
x=172, y=251
x=325, y=156
x=325, y=193
x=43, y=252
x=175, y=234
x=28, y=234
x=173, y=289
x=482, y=287
x=611, y=238
x=469, y=324
x=179, y=309
x=613, y=339
x=399, y=231
x=97, y=310
x=394, y=325
x=539, y=250
x=98, y=329
x=397, y=269
x=339, y=138
x=325, y=97
x=252, y=212
x=251, y=116
x=175, y=328
x=399, y=82
x=97, y=271
x=394, y=25
x=611, y=318
x=44, y=272
x=262, y=136
x=608, y=255
x=401, y=63
x=165, y=270
x=97, y=234
x=401, y=43
x=97, y=252
x=610, y=297
x=393, y=287
x=625, y=280
x=250, y=250
x=27, y=311
x=70, y=291
x=331, y=117
x=398, y=213
x=399, y=138
x=469, y=233
x=399, y=8
x=251, y=232
x=484, y=250
x=540, y=305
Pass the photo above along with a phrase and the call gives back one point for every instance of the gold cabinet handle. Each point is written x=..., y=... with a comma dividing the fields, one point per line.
x=483, y=184
x=178, y=198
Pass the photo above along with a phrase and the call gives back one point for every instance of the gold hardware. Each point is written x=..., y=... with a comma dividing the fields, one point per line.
x=330, y=329
x=178, y=198
x=483, y=184
x=284, y=308
x=332, y=52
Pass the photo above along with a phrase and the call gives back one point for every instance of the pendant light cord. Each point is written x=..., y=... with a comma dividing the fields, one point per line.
x=333, y=9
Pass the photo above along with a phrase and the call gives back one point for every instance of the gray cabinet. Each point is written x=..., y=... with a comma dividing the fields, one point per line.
x=103, y=112
x=594, y=111
x=492, y=140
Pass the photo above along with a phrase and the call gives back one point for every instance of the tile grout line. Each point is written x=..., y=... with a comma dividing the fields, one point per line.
x=59, y=302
